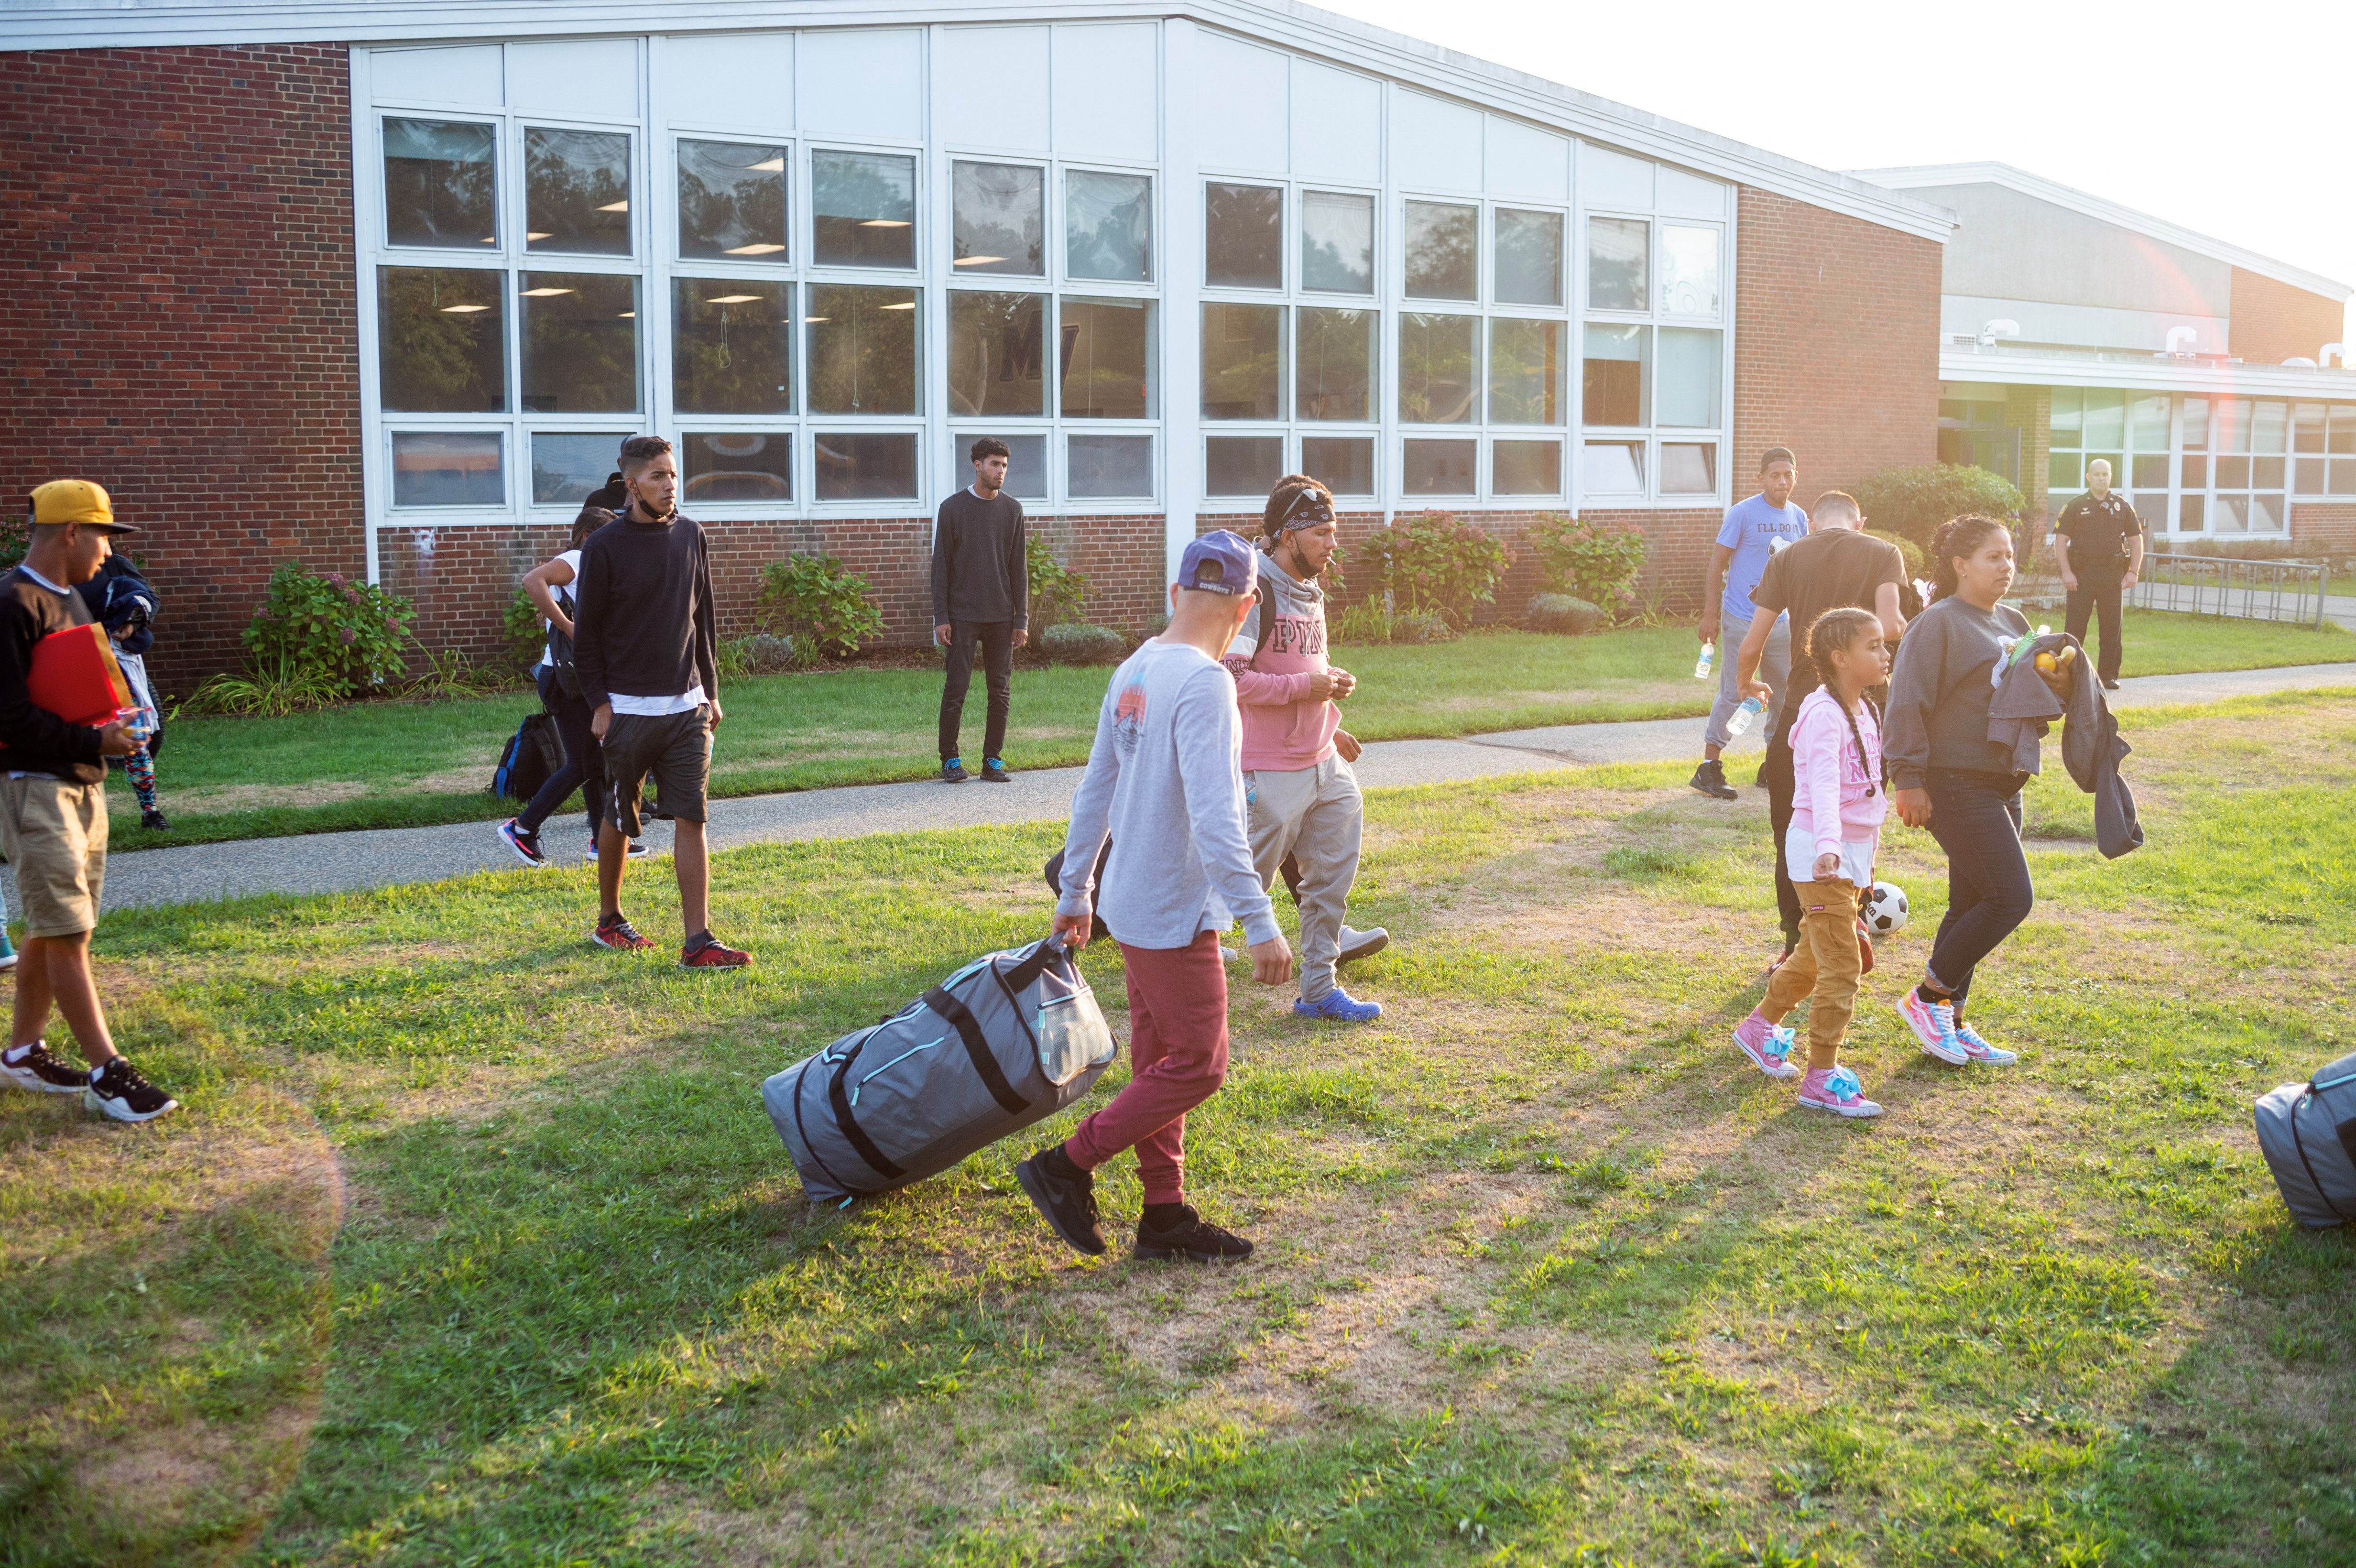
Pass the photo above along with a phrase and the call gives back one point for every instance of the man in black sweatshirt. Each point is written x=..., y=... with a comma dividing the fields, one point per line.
x=645, y=648
x=982, y=593
x=53, y=812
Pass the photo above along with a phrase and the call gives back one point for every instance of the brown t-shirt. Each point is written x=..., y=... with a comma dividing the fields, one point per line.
x=1834, y=569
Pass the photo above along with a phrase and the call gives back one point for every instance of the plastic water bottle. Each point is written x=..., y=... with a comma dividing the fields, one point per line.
x=1701, y=666
x=1739, y=722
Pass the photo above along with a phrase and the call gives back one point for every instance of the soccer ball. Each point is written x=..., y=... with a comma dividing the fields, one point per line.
x=1885, y=909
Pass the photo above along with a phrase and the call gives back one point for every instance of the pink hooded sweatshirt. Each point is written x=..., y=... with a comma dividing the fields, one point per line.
x=1835, y=797
x=1284, y=731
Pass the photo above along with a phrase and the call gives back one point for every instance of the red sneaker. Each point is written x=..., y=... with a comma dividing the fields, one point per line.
x=616, y=931
x=714, y=953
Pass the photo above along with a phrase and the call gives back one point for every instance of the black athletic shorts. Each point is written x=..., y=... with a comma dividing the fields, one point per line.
x=675, y=747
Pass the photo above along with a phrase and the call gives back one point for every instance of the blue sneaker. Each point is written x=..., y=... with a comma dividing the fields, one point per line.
x=1337, y=1006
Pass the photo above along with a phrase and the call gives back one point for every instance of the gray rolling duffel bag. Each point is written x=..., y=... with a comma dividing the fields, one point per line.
x=2307, y=1132
x=1007, y=1041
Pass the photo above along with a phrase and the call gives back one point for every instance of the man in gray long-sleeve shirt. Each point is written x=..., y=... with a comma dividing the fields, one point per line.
x=1165, y=780
x=981, y=594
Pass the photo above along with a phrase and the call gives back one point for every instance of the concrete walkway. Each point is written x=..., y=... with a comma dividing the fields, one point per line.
x=337, y=862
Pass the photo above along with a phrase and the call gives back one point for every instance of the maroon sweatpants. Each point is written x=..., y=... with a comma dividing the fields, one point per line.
x=1177, y=1055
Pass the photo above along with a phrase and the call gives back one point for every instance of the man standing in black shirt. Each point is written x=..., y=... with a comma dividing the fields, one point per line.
x=53, y=812
x=982, y=593
x=645, y=649
x=2099, y=546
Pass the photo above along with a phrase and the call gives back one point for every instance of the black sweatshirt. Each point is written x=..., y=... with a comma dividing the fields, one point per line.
x=38, y=740
x=643, y=612
x=978, y=570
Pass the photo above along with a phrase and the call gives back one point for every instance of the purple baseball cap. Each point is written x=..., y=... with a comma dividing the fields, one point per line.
x=1219, y=563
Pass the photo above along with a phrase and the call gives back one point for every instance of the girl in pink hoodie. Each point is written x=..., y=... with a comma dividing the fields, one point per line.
x=1839, y=797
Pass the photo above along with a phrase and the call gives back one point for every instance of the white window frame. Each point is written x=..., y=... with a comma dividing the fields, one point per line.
x=1652, y=435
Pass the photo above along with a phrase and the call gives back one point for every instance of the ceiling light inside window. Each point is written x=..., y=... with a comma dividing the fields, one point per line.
x=536, y=234
x=463, y=309
x=909, y=305
x=546, y=294
x=732, y=299
x=818, y=318
x=754, y=250
x=975, y=260
x=776, y=166
x=882, y=223
x=627, y=315
x=616, y=206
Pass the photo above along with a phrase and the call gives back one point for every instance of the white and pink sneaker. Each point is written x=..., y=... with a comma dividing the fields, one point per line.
x=1933, y=1024
x=1980, y=1051
x=1769, y=1046
x=1836, y=1089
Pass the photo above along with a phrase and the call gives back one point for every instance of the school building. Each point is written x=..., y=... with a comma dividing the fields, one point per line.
x=382, y=287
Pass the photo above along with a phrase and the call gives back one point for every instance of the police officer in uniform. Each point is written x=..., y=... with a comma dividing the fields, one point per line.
x=2099, y=543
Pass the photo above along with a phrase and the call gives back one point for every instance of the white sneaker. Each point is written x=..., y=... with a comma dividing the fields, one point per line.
x=1981, y=1051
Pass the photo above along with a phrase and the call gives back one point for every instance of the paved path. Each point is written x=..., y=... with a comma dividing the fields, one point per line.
x=333, y=862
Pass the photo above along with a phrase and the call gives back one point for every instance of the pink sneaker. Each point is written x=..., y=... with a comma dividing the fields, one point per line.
x=1836, y=1090
x=1933, y=1024
x=1769, y=1046
x=1979, y=1051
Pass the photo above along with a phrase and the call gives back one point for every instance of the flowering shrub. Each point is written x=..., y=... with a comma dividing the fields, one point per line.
x=1594, y=561
x=352, y=634
x=821, y=602
x=1435, y=563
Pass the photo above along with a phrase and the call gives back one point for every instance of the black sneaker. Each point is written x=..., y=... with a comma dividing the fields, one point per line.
x=1710, y=779
x=38, y=1072
x=994, y=772
x=524, y=841
x=633, y=849
x=116, y=1090
x=155, y=822
x=1066, y=1204
x=1194, y=1239
x=953, y=772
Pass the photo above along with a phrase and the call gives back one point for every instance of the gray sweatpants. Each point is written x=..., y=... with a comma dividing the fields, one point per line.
x=1314, y=814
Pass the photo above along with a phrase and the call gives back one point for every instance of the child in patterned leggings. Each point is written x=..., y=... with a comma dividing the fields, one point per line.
x=121, y=601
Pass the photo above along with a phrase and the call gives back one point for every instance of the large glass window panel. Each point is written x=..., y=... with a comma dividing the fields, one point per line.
x=2191, y=514
x=441, y=340
x=1243, y=362
x=2343, y=430
x=1614, y=369
x=732, y=201
x=2152, y=507
x=1619, y=259
x=446, y=469
x=580, y=342
x=1243, y=236
x=2229, y=425
x=1333, y=365
x=1689, y=468
x=568, y=466
x=2105, y=420
x=2267, y=514
x=1611, y=468
x=862, y=345
x=1108, y=467
x=1027, y=459
x=1526, y=468
x=2196, y=424
x=737, y=465
x=1437, y=384
x=1529, y=257
x=1343, y=463
x=1527, y=379
x=997, y=359
x=2343, y=476
x=864, y=465
x=1691, y=378
x=2269, y=425
x=1689, y=275
x=1443, y=252
x=2266, y=472
x=2064, y=471
x=441, y=185
x=2196, y=472
x=1242, y=464
x=732, y=350
x=2147, y=424
x=1337, y=242
x=863, y=211
x=2150, y=469
x=2232, y=472
x=1437, y=468
x=2307, y=427
x=1104, y=360
x=2068, y=423
x=576, y=191
x=2232, y=514
x=1108, y=225
x=998, y=216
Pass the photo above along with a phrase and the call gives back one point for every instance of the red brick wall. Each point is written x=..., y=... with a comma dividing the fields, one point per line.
x=2273, y=322
x=1837, y=344
x=2324, y=527
x=175, y=314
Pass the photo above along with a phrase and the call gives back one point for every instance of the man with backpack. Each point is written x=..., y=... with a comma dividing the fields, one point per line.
x=1165, y=780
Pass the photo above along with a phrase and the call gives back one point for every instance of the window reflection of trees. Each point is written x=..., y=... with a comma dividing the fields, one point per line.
x=1108, y=222
x=1242, y=361
x=580, y=343
x=1436, y=369
x=439, y=184
x=732, y=347
x=1442, y=251
x=863, y=209
x=1335, y=358
x=577, y=192
x=1618, y=254
x=862, y=350
x=441, y=342
x=998, y=212
x=996, y=353
x=731, y=201
x=1526, y=371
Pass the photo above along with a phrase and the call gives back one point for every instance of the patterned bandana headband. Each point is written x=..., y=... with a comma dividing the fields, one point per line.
x=1309, y=508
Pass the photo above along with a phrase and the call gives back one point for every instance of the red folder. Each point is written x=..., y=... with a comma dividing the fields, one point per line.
x=76, y=677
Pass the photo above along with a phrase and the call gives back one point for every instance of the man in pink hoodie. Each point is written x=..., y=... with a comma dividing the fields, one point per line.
x=1301, y=798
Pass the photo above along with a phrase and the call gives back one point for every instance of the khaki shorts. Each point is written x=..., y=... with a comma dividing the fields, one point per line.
x=675, y=747
x=54, y=834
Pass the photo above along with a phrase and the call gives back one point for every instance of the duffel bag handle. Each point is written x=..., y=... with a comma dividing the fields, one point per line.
x=1048, y=951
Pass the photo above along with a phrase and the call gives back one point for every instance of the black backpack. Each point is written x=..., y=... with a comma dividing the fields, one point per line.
x=533, y=754
x=558, y=658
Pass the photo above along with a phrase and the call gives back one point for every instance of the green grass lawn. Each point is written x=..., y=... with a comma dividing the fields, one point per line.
x=473, y=1245
x=405, y=764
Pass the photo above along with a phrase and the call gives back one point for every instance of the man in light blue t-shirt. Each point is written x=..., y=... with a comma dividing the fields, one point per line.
x=1745, y=541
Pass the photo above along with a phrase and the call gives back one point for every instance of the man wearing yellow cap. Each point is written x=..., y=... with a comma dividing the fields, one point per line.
x=53, y=812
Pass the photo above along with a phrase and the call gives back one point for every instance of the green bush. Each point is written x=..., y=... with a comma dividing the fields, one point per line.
x=820, y=602
x=1056, y=595
x=1916, y=561
x=761, y=653
x=1913, y=502
x=262, y=690
x=355, y=634
x=1562, y=613
x=1594, y=561
x=1421, y=626
x=1362, y=623
x=1074, y=642
x=1437, y=564
x=526, y=633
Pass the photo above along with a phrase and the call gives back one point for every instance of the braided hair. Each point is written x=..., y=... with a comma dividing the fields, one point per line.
x=1833, y=632
x=1958, y=538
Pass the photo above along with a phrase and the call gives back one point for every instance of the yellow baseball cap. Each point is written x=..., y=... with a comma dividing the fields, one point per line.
x=77, y=501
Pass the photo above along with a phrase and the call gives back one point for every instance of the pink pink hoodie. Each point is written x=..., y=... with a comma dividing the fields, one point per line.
x=1834, y=796
x=1283, y=730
